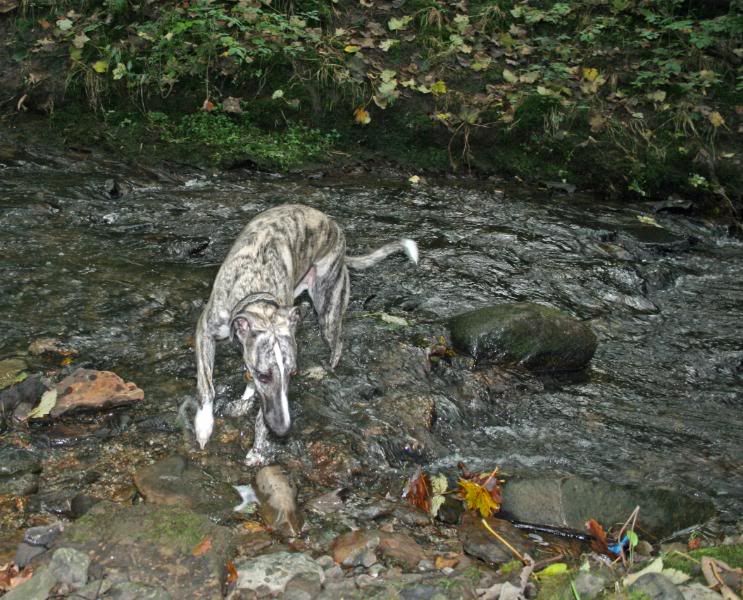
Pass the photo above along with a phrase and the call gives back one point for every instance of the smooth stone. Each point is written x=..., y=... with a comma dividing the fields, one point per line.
x=478, y=542
x=36, y=588
x=571, y=501
x=590, y=584
x=43, y=535
x=530, y=335
x=70, y=566
x=175, y=481
x=656, y=587
x=25, y=553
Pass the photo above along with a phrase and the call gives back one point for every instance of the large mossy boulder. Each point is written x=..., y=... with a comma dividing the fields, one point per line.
x=537, y=337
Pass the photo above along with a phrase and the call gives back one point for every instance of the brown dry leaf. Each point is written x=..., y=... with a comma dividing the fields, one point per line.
x=231, y=572
x=599, y=543
x=44, y=24
x=446, y=561
x=207, y=106
x=418, y=490
x=202, y=547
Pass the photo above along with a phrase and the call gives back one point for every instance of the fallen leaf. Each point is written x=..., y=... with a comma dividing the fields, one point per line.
x=46, y=404
x=361, y=116
x=553, y=569
x=599, y=543
x=351, y=49
x=395, y=24
x=509, y=76
x=716, y=119
x=64, y=24
x=207, y=106
x=100, y=66
x=654, y=567
x=79, y=40
x=590, y=74
x=417, y=490
x=202, y=547
x=476, y=497
x=438, y=88
x=647, y=220
x=231, y=572
x=444, y=562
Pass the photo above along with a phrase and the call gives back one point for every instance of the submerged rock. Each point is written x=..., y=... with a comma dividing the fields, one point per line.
x=359, y=547
x=537, y=337
x=87, y=388
x=278, y=501
x=19, y=471
x=480, y=543
x=175, y=481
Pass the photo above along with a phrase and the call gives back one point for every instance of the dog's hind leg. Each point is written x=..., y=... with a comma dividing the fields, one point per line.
x=330, y=312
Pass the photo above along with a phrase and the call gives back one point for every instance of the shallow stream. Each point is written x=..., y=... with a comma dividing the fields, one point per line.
x=123, y=279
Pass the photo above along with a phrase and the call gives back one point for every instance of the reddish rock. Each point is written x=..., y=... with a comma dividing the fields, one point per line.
x=401, y=549
x=90, y=389
x=350, y=549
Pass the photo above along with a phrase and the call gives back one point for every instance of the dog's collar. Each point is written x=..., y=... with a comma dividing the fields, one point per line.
x=256, y=298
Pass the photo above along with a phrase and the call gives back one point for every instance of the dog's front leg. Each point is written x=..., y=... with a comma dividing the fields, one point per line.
x=204, y=347
x=261, y=452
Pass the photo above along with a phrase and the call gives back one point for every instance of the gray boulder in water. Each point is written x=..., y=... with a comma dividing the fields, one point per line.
x=536, y=337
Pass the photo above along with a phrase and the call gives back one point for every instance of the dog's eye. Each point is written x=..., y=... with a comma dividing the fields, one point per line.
x=265, y=377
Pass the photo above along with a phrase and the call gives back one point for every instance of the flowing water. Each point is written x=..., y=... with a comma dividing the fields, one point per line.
x=123, y=280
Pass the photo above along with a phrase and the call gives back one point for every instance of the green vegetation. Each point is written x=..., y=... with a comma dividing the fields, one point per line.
x=689, y=563
x=627, y=97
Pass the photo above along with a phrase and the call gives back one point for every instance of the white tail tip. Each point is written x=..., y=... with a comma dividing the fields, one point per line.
x=411, y=249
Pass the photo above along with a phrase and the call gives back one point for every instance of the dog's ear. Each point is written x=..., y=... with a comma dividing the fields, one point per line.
x=243, y=326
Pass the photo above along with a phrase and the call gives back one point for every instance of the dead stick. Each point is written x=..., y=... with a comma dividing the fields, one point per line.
x=516, y=553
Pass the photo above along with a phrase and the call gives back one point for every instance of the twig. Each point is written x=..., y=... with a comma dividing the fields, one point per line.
x=500, y=538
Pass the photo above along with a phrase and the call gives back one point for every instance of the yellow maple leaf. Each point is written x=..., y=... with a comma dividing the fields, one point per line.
x=438, y=88
x=361, y=116
x=476, y=497
x=590, y=74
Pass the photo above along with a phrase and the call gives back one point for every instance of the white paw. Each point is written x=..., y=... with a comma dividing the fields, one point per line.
x=204, y=424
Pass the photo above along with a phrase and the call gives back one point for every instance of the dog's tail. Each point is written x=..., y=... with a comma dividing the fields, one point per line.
x=368, y=260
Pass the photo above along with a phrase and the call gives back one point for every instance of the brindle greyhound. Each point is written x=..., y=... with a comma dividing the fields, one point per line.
x=280, y=253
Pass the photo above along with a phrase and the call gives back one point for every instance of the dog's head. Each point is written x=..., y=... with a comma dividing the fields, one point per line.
x=270, y=355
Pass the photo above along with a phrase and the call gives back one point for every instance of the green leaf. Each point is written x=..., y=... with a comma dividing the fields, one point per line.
x=64, y=24
x=100, y=66
x=438, y=88
x=387, y=75
x=510, y=76
x=553, y=569
x=399, y=24
x=632, y=537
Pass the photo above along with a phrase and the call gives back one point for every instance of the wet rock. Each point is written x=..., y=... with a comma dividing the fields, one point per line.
x=27, y=392
x=328, y=503
x=26, y=553
x=70, y=567
x=166, y=547
x=43, y=535
x=36, y=588
x=175, y=481
x=571, y=501
x=656, y=587
x=697, y=591
x=91, y=389
x=51, y=346
x=19, y=471
x=590, y=584
x=81, y=504
x=333, y=462
x=11, y=371
x=348, y=549
x=656, y=238
x=278, y=501
x=271, y=573
x=400, y=549
x=478, y=542
x=357, y=548
x=132, y=590
x=531, y=335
